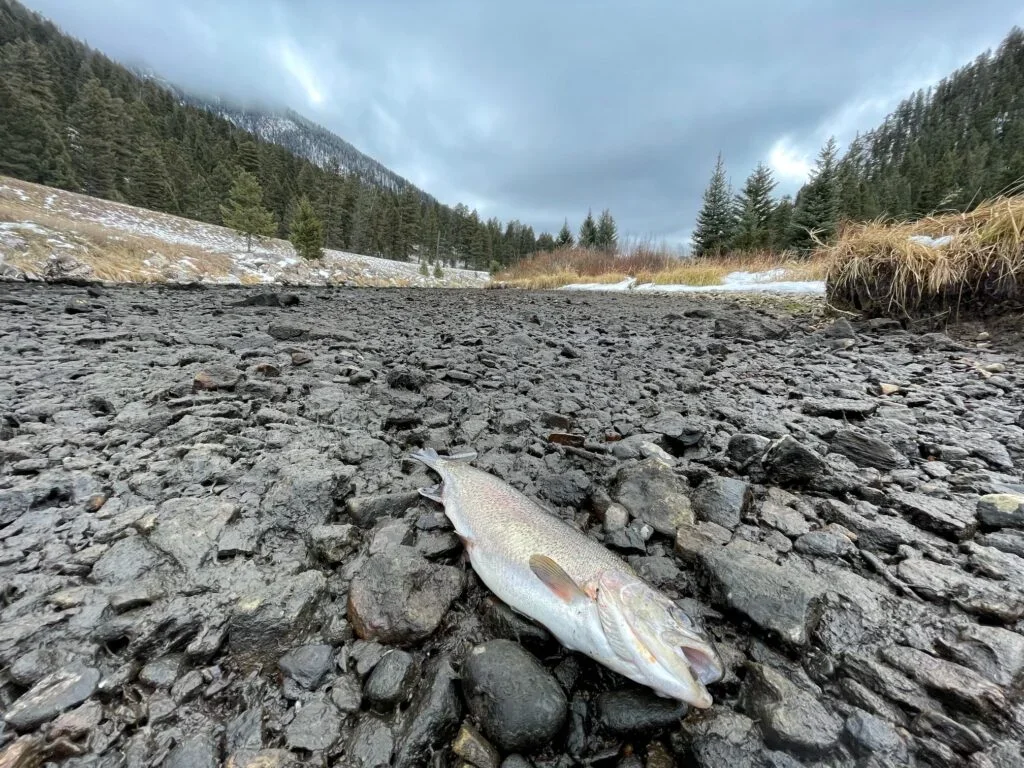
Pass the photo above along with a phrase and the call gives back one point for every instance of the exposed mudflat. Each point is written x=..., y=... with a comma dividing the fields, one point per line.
x=212, y=550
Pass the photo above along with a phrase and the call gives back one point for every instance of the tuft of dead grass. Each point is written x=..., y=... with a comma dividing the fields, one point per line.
x=565, y=266
x=876, y=268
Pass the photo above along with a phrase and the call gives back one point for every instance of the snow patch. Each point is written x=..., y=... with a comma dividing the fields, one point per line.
x=734, y=282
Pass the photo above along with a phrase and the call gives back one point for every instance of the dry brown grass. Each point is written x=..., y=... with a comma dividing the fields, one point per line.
x=565, y=266
x=877, y=269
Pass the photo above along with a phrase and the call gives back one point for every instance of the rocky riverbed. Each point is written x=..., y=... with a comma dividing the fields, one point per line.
x=212, y=550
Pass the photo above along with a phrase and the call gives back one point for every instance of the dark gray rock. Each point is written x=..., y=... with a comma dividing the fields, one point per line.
x=654, y=493
x=839, y=407
x=53, y=694
x=866, y=450
x=722, y=500
x=995, y=653
x=164, y=671
x=946, y=518
x=790, y=717
x=958, y=737
x=776, y=598
x=824, y=544
x=400, y=597
x=370, y=745
x=391, y=681
x=307, y=665
x=788, y=462
x=432, y=717
x=631, y=712
x=266, y=621
x=959, y=686
x=724, y=738
x=1001, y=510
x=316, y=725
x=288, y=331
x=983, y=597
x=333, y=544
x=870, y=735
x=366, y=510
x=517, y=702
x=197, y=750
x=743, y=448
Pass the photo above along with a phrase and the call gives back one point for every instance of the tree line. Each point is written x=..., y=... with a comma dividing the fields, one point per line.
x=945, y=148
x=72, y=118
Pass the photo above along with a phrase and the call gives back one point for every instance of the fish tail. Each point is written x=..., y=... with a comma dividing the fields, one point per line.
x=433, y=459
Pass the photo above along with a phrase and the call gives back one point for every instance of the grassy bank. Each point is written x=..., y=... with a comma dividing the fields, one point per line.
x=649, y=265
x=974, y=263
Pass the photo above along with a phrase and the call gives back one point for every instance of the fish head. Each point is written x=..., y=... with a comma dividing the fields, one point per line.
x=668, y=649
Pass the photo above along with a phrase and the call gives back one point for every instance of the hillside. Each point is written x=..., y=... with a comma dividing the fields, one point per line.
x=74, y=119
x=47, y=233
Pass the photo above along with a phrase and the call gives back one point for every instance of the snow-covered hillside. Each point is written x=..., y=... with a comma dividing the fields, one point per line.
x=47, y=233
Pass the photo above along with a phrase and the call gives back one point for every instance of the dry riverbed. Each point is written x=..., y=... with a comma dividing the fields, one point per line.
x=212, y=550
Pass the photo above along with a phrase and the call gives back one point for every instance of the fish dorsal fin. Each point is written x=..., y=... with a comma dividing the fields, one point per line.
x=556, y=579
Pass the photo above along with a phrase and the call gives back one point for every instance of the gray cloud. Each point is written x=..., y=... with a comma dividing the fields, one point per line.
x=538, y=110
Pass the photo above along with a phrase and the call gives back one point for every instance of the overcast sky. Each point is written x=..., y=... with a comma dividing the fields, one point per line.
x=541, y=109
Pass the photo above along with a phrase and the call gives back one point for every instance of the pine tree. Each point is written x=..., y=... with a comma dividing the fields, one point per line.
x=245, y=211
x=92, y=139
x=607, y=232
x=150, y=183
x=816, y=213
x=752, y=211
x=545, y=242
x=781, y=224
x=306, y=231
x=588, y=232
x=565, y=238
x=715, y=226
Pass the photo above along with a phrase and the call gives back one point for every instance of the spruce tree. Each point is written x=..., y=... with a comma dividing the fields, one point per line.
x=817, y=207
x=607, y=232
x=545, y=242
x=715, y=225
x=92, y=139
x=588, y=232
x=565, y=238
x=307, y=231
x=781, y=224
x=245, y=212
x=150, y=183
x=752, y=211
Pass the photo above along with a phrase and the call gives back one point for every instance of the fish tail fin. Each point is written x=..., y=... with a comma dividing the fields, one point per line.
x=433, y=459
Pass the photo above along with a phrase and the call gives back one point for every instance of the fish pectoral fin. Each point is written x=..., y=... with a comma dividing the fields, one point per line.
x=556, y=579
x=433, y=493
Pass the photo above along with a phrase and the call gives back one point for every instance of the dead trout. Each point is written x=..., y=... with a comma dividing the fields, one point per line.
x=586, y=596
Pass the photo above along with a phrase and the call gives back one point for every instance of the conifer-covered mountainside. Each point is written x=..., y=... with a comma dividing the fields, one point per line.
x=944, y=148
x=72, y=118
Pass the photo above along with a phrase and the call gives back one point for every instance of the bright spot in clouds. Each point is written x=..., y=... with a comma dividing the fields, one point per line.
x=297, y=66
x=788, y=162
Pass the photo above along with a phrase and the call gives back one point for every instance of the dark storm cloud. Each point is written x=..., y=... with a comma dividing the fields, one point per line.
x=539, y=110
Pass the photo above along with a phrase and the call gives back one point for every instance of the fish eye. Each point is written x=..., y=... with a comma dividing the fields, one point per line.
x=680, y=617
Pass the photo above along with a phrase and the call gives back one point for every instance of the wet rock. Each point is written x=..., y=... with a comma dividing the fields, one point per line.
x=197, y=750
x=632, y=712
x=287, y=331
x=391, y=681
x=77, y=722
x=776, y=598
x=370, y=745
x=996, y=653
x=316, y=725
x=743, y=448
x=786, y=461
x=400, y=597
x=187, y=529
x=866, y=450
x=265, y=622
x=366, y=510
x=268, y=299
x=955, y=684
x=432, y=717
x=787, y=521
x=307, y=665
x=839, y=408
x=53, y=694
x=824, y=544
x=472, y=747
x=517, y=702
x=723, y=737
x=870, y=735
x=216, y=376
x=654, y=493
x=333, y=543
x=164, y=671
x=790, y=717
x=958, y=737
x=935, y=581
x=1001, y=510
x=347, y=694
x=722, y=500
x=946, y=518
x=502, y=622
